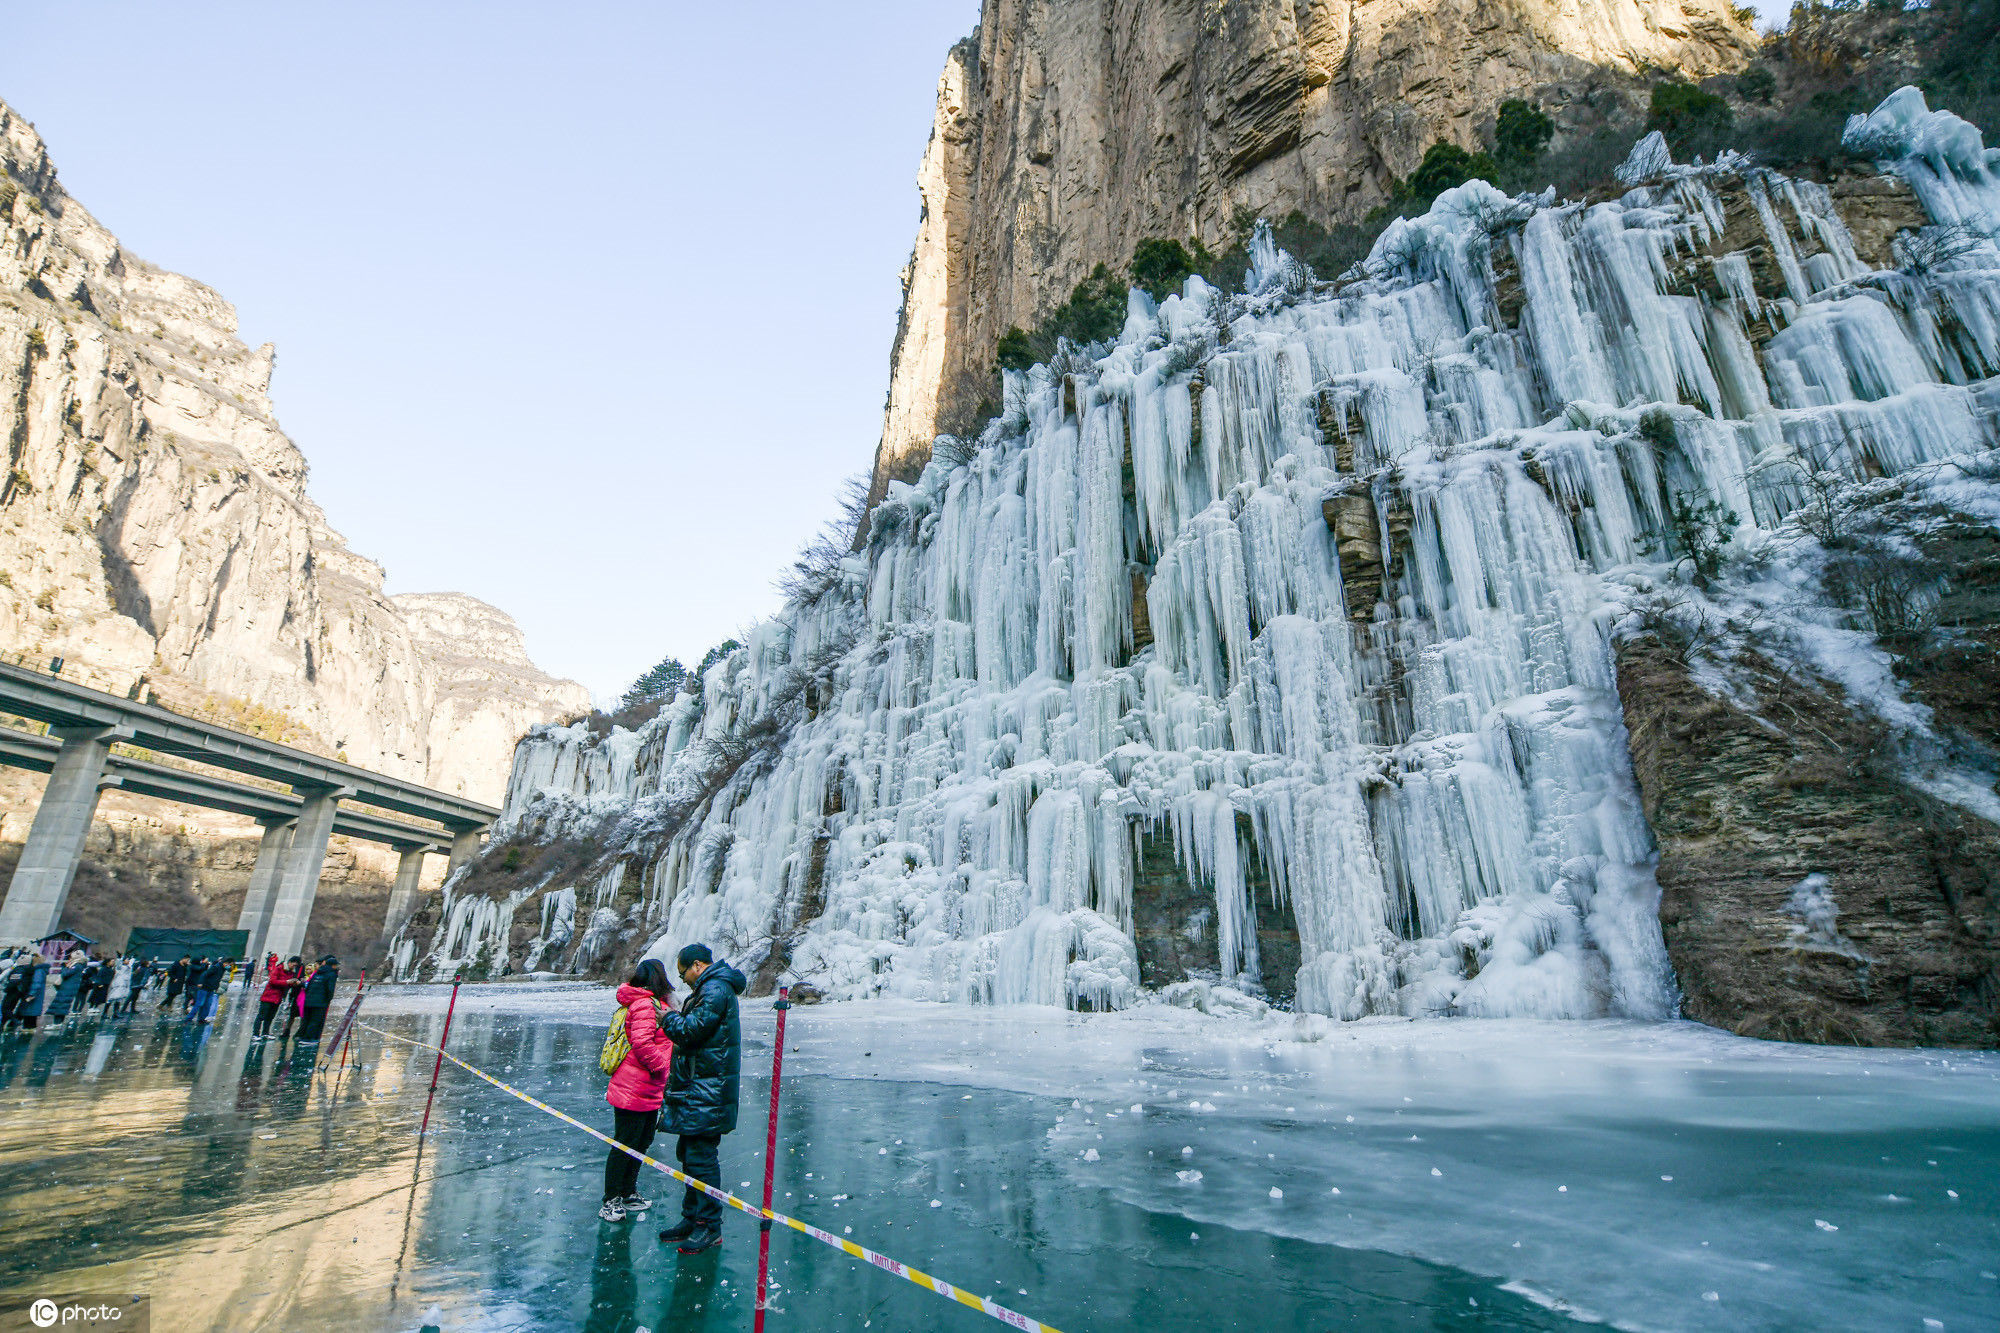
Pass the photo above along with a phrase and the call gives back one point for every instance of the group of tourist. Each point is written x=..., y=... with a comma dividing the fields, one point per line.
x=304, y=994
x=197, y=983
x=36, y=990
x=33, y=987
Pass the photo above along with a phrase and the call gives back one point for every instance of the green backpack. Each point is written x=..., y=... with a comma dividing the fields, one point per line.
x=617, y=1045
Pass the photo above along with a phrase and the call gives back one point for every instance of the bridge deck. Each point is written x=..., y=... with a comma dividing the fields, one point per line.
x=61, y=703
x=20, y=749
x=79, y=757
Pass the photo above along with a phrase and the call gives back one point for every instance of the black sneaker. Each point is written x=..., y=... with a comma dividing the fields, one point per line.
x=701, y=1238
x=680, y=1230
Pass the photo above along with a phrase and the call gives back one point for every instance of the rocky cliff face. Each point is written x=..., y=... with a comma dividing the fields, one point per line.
x=1808, y=893
x=155, y=525
x=1069, y=130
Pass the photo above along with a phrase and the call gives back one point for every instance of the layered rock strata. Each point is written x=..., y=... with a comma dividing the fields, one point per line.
x=156, y=531
x=1807, y=892
x=1066, y=131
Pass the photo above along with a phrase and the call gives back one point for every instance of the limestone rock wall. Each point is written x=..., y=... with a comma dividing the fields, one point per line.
x=1746, y=808
x=1069, y=130
x=155, y=527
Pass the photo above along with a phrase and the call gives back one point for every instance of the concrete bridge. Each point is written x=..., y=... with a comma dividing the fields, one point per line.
x=83, y=726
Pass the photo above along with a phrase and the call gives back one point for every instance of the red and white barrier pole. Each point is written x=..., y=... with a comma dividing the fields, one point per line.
x=771, y=1158
x=346, y=1022
x=448, y=1009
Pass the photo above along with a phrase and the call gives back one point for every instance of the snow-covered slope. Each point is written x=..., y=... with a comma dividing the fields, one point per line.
x=1306, y=599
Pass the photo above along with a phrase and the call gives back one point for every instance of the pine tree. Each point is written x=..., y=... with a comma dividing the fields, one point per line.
x=1519, y=136
x=662, y=682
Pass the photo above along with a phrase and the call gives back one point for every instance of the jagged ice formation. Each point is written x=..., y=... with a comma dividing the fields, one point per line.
x=1311, y=592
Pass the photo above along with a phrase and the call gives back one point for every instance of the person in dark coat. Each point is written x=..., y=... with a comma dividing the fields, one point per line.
x=13, y=983
x=207, y=986
x=12, y=991
x=97, y=988
x=317, y=996
x=702, y=1087
x=29, y=978
x=193, y=991
x=192, y=982
x=67, y=991
x=177, y=980
x=34, y=976
x=294, y=993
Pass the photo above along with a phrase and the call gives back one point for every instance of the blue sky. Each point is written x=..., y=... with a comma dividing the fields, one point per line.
x=581, y=309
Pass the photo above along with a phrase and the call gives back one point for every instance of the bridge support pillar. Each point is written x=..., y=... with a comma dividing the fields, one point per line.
x=298, y=880
x=465, y=845
x=49, y=858
x=403, y=898
x=262, y=895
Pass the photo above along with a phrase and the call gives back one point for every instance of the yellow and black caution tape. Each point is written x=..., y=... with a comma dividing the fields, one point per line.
x=881, y=1261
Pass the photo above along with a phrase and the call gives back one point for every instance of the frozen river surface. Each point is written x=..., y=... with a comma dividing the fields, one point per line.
x=1157, y=1170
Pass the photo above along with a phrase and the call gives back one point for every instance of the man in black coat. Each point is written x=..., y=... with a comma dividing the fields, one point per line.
x=177, y=980
x=702, y=1087
x=318, y=996
x=207, y=987
x=15, y=991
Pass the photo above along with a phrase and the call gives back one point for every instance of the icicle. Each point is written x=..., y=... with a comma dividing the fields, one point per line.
x=1433, y=782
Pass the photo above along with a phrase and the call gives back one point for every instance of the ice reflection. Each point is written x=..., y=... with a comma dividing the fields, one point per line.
x=1028, y=1153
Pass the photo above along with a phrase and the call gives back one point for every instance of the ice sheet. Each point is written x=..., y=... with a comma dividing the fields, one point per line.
x=1619, y=1170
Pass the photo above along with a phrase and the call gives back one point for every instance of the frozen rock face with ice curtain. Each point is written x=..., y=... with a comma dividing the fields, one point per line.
x=1304, y=600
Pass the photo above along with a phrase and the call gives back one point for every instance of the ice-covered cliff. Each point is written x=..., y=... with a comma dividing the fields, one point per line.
x=1273, y=646
x=154, y=520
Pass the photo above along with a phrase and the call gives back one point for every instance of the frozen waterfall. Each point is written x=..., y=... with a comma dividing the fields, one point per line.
x=1303, y=600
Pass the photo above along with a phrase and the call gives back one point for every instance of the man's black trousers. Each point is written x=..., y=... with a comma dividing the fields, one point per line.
x=698, y=1158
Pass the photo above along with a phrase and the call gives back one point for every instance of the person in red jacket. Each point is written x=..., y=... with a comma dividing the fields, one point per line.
x=277, y=977
x=638, y=1086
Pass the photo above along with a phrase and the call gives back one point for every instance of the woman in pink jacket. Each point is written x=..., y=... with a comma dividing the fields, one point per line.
x=637, y=1087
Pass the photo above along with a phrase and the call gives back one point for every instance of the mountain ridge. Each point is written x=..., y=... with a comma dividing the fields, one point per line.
x=159, y=529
